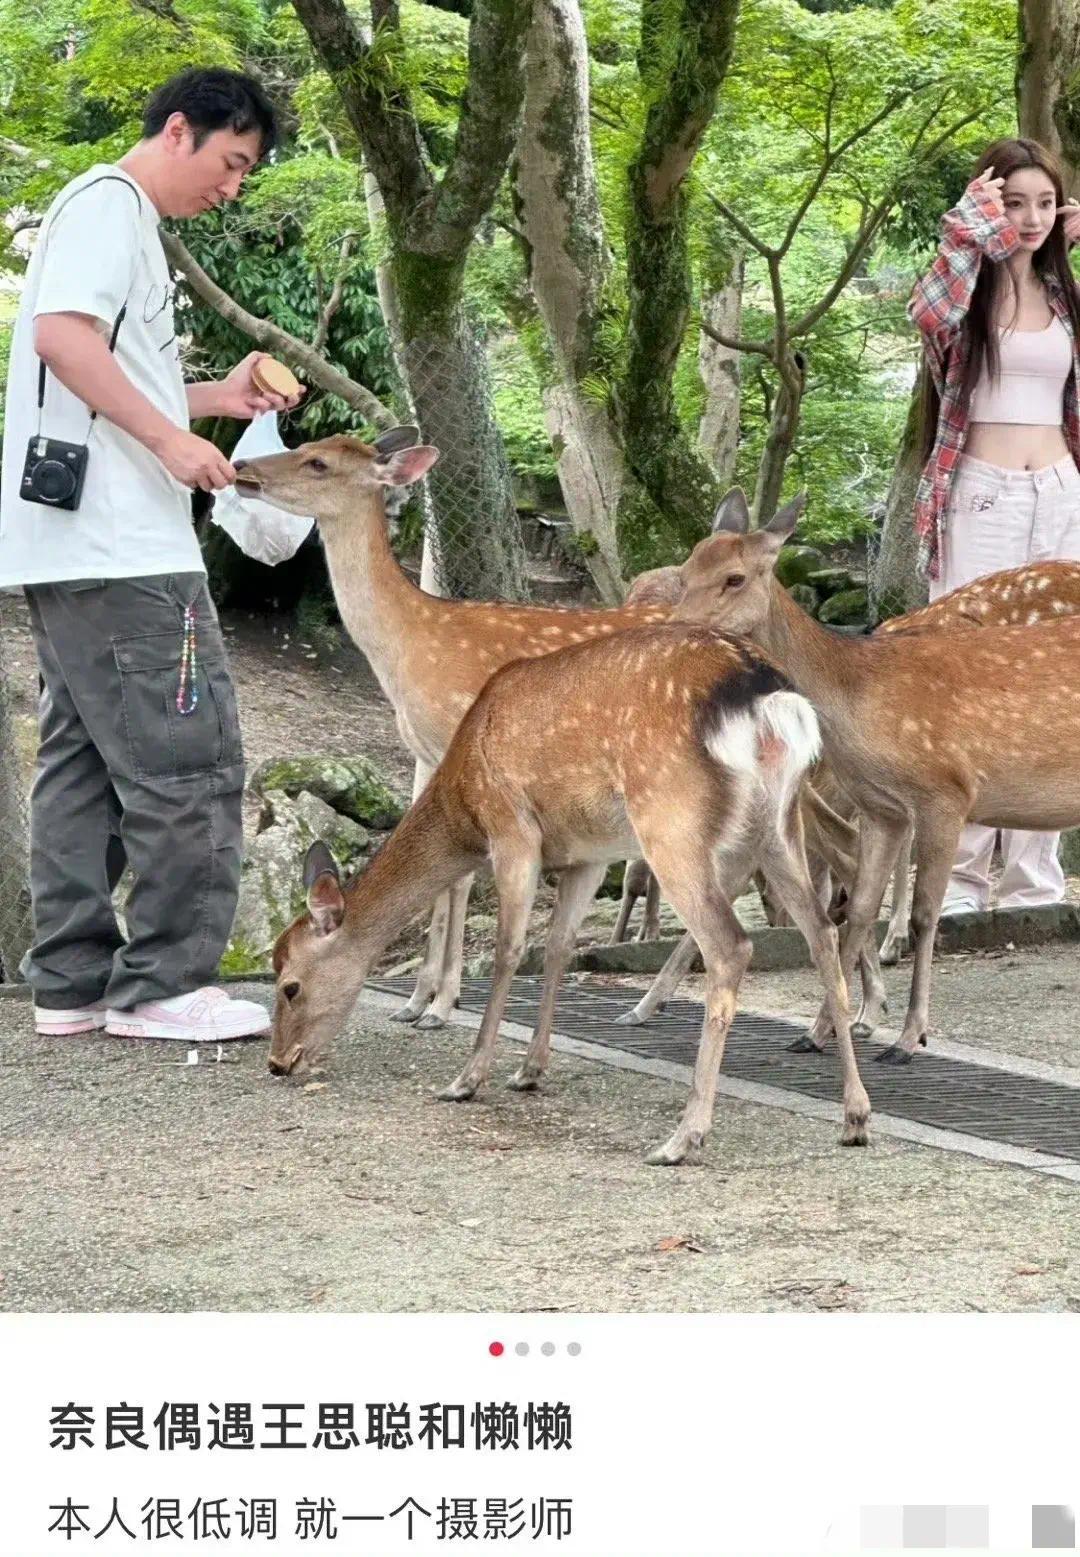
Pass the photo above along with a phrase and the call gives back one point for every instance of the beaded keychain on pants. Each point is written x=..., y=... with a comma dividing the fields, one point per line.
x=188, y=666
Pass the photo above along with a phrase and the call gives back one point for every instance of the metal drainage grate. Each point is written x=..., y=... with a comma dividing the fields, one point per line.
x=1042, y=1116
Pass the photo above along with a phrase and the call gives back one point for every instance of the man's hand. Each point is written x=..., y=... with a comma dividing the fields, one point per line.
x=194, y=461
x=238, y=394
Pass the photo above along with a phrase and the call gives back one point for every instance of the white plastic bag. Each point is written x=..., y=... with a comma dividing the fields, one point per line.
x=261, y=531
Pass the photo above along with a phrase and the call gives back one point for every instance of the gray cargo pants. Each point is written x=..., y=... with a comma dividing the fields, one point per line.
x=122, y=774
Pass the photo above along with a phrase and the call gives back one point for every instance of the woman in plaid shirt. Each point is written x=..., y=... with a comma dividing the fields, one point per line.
x=999, y=315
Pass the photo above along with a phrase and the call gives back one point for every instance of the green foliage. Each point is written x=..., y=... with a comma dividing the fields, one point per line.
x=518, y=408
x=5, y=348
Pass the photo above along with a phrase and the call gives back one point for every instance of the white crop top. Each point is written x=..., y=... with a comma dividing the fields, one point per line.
x=1035, y=365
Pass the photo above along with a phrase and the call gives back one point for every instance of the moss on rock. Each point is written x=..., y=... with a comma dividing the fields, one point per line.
x=351, y=785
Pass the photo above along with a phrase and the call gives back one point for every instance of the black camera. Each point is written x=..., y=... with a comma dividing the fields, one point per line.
x=54, y=473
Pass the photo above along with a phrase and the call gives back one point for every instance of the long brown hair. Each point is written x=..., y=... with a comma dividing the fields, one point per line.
x=978, y=337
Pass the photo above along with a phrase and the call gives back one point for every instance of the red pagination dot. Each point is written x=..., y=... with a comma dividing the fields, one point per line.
x=496, y=1348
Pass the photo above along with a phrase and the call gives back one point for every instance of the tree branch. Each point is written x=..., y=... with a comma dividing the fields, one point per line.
x=377, y=105
x=762, y=348
x=272, y=338
x=333, y=302
x=487, y=124
x=739, y=225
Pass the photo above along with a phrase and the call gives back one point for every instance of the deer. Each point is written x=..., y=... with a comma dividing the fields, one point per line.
x=430, y=655
x=928, y=728
x=525, y=785
x=1026, y=595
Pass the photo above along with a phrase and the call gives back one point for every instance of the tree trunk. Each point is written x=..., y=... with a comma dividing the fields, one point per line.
x=475, y=535
x=783, y=425
x=718, y=434
x=1048, y=80
x=683, y=57
x=895, y=583
x=558, y=210
x=15, y=923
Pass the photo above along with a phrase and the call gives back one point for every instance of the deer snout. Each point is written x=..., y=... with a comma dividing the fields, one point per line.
x=246, y=479
x=287, y=1062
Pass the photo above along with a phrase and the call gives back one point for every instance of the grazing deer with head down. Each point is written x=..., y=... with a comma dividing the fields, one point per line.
x=431, y=656
x=931, y=727
x=526, y=786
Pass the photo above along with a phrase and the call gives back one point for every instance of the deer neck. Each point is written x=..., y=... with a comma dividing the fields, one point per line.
x=423, y=856
x=376, y=600
x=825, y=667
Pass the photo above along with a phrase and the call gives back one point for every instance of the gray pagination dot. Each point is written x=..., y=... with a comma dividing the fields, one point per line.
x=967, y=1527
x=548, y=1348
x=574, y=1349
x=522, y=1348
x=924, y=1524
x=1053, y=1525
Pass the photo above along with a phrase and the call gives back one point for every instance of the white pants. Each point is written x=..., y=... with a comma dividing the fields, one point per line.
x=998, y=519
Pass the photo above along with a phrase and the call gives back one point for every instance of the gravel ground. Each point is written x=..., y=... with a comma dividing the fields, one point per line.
x=135, y=1182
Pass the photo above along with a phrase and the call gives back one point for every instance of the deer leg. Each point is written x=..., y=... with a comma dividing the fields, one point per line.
x=516, y=875
x=936, y=839
x=577, y=888
x=726, y=949
x=447, y=991
x=898, y=934
x=626, y=905
x=650, y=925
x=663, y=985
x=879, y=839
x=788, y=875
x=430, y=971
x=832, y=840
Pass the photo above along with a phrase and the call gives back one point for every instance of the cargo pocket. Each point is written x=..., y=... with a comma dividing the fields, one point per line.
x=163, y=742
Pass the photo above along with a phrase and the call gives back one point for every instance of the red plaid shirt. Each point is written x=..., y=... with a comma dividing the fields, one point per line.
x=975, y=229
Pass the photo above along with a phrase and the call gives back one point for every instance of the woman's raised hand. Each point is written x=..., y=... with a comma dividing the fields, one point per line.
x=1070, y=214
x=993, y=187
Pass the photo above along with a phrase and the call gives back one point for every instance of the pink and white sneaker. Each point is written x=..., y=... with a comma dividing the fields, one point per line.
x=203, y=1016
x=69, y=1023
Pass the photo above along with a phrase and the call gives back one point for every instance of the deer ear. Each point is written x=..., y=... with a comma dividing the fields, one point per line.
x=732, y=513
x=784, y=521
x=325, y=901
x=405, y=466
x=396, y=438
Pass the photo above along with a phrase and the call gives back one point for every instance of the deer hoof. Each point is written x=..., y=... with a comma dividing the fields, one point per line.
x=524, y=1081
x=863, y=1029
x=896, y=1054
x=629, y=1018
x=429, y=1022
x=406, y=1014
x=458, y=1092
x=675, y=1151
x=805, y=1045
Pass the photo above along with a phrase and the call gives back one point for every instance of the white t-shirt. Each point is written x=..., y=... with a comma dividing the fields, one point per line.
x=98, y=248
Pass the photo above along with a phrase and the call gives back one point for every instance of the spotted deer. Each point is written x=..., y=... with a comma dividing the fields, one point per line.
x=1023, y=596
x=934, y=727
x=527, y=785
x=431, y=656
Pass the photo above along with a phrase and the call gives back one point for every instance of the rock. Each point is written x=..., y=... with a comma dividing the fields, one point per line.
x=271, y=885
x=847, y=609
x=806, y=596
x=316, y=819
x=352, y=785
x=795, y=564
x=1069, y=850
x=831, y=581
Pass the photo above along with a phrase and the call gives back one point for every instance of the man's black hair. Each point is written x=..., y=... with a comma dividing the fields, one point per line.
x=213, y=100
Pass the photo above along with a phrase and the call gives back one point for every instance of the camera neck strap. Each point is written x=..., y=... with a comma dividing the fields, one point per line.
x=117, y=322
